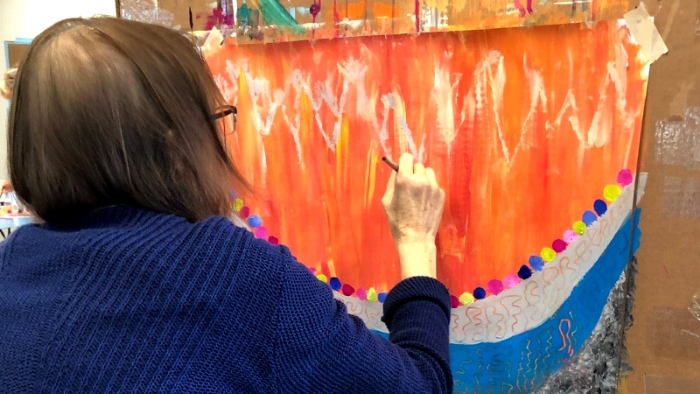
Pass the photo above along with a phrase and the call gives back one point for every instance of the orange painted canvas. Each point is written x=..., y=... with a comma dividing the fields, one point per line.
x=523, y=130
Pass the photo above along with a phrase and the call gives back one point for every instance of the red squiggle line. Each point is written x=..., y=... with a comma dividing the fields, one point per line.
x=512, y=301
x=561, y=332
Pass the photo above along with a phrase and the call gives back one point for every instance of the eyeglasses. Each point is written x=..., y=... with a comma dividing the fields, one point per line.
x=227, y=116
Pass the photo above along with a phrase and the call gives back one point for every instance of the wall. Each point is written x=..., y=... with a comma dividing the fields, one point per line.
x=664, y=341
x=26, y=19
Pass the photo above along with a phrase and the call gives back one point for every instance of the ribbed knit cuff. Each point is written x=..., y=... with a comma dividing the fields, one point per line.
x=413, y=289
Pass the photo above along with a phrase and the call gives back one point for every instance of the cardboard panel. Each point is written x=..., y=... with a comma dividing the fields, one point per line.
x=664, y=353
x=16, y=53
x=670, y=385
x=673, y=333
x=172, y=13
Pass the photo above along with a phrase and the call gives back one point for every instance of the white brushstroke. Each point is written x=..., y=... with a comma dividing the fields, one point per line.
x=489, y=85
x=353, y=24
x=496, y=83
x=599, y=133
x=444, y=96
x=337, y=107
x=260, y=94
x=692, y=334
x=229, y=91
x=391, y=102
x=538, y=97
x=296, y=123
x=695, y=308
x=354, y=72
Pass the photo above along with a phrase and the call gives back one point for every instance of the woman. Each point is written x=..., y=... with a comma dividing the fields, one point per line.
x=6, y=86
x=137, y=281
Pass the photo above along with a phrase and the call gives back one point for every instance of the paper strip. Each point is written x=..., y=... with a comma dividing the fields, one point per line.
x=214, y=40
x=645, y=33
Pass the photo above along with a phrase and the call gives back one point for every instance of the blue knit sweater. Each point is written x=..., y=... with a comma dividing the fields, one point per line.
x=128, y=300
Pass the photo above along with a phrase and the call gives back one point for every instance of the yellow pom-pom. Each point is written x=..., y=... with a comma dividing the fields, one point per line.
x=237, y=204
x=372, y=294
x=466, y=299
x=612, y=192
x=579, y=227
x=548, y=254
x=322, y=278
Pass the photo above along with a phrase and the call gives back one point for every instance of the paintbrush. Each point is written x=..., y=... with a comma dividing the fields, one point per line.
x=390, y=164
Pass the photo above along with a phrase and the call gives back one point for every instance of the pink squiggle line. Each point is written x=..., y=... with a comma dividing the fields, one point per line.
x=454, y=323
x=532, y=290
x=417, y=11
x=336, y=18
x=314, y=10
x=523, y=11
x=566, y=339
x=564, y=336
x=594, y=6
x=475, y=324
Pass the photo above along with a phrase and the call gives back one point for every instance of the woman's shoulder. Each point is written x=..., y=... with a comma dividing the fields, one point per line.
x=222, y=235
x=254, y=270
x=213, y=256
x=127, y=234
x=231, y=228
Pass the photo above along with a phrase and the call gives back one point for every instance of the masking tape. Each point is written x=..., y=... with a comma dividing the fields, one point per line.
x=677, y=140
x=645, y=33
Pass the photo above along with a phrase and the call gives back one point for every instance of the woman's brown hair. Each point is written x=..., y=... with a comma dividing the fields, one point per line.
x=108, y=112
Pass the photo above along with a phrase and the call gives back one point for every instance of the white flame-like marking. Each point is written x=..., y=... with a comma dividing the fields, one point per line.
x=489, y=81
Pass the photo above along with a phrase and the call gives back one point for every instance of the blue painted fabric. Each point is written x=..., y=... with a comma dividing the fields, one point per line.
x=522, y=363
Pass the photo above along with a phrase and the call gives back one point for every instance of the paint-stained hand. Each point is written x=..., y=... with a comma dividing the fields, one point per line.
x=413, y=203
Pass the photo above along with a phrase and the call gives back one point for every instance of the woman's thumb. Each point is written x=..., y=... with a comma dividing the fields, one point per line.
x=389, y=194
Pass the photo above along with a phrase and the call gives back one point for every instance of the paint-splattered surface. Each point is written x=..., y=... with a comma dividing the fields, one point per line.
x=275, y=21
x=261, y=21
x=523, y=130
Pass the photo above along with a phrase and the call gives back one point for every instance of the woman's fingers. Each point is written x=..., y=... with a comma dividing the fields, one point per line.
x=406, y=164
x=432, y=178
x=419, y=169
x=388, y=195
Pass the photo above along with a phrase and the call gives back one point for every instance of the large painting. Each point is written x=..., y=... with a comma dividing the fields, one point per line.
x=534, y=137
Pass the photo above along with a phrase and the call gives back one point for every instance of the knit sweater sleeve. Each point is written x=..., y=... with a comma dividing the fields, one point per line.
x=320, y=348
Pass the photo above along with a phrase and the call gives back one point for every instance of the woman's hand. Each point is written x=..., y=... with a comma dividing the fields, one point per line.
x=413, y=203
